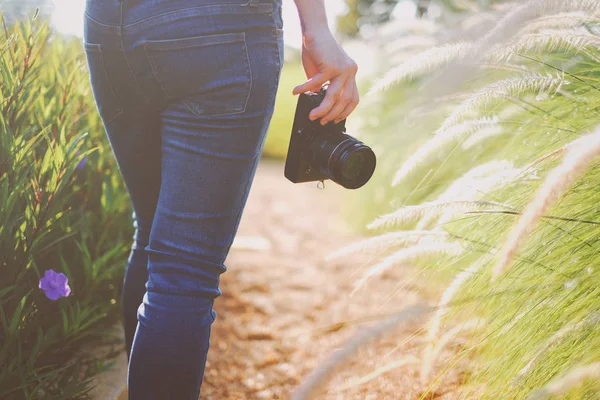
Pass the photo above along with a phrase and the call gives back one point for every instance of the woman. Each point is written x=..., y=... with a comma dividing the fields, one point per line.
x=186, y=90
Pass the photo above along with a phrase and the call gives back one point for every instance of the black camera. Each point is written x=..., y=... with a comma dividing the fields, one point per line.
x=319, y=152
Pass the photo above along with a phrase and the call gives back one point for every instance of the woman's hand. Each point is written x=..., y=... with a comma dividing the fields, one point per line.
x=324, y=60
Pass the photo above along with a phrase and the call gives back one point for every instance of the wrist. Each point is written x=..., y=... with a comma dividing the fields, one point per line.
x=312, y=32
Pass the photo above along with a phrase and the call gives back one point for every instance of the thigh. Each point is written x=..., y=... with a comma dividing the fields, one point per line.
x=133, y=128
x=136, y=144
x=211, y=143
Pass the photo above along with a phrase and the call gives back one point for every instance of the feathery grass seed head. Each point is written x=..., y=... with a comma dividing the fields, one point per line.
x=411, y=213
x=500, y=90
x=580, y=154
x=572, y=378
x=592, y=319
x=422, y=63
x=559, y=21
x=572, y=41
x=410, y=254
x=387, y=240
x=438, y=142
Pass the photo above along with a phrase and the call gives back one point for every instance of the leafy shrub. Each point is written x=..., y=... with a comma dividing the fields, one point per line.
x=494, y=171
x=63, y=207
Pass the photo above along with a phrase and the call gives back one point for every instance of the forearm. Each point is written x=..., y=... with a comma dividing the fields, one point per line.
x=313, y=17
x=324, y=61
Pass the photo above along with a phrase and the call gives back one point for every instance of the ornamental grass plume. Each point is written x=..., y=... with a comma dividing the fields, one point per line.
x=438, y=143
x=434, y=349
x=55, y=285
x=579, y=155
x=482, y=135
x=472, y=186
x=518, y=85
x=313, y=385
x=575, y=40
x=421, y=64
x=407, y=360
x=559, y=21
x=572, y=378
x=411, y=213
x=506, y=27
x=452, y=55
x=513, y=21
x=591, y=320
x=555, y=153
x=517, y=318
x=438, y=248
x=441, y=311
x=386, y=241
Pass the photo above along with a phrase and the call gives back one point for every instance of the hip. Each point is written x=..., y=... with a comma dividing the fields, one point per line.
x=210, y=57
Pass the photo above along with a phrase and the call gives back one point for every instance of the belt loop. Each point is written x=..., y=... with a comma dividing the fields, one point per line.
x=251, y=3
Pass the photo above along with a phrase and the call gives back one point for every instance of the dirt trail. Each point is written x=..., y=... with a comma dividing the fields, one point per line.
x=280, y=296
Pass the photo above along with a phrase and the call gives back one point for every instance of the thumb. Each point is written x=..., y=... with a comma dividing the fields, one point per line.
x=314, y=84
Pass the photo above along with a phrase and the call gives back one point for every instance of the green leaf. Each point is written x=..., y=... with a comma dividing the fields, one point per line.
x=6, y=290
x=18, y=316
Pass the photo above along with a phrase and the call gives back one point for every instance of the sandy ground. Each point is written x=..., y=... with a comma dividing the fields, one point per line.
x=284, y=309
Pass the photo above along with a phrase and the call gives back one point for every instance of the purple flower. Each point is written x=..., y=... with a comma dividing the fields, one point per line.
x=81, y=164
x=55, y=285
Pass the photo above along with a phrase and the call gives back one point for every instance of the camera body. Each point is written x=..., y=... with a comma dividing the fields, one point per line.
x=317, y=152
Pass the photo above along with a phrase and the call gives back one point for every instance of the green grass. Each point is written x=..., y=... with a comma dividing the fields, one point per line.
x=551, y=286
x=278, y=137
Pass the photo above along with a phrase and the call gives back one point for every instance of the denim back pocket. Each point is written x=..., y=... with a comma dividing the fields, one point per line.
x=209, y=74
x=108, y=105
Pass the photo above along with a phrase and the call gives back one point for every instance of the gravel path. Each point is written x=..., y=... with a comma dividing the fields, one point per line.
x=284, y=309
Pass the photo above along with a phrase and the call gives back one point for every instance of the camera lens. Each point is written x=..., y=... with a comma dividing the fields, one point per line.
x=353, y=166
x=343, y=159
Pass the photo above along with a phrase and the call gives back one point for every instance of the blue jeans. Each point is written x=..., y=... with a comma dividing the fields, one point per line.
x=186, y=90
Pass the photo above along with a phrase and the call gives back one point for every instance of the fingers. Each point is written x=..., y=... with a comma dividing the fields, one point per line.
x=340, y=70
x=333, y=92
x=350, y=106
x=314, y=84
x=346, y=96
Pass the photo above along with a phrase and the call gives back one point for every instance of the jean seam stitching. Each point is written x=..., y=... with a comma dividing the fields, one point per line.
x=248, y=86
x=154, y=73
x=186, y=12
x=249, y=74
x=109, y=28
x=206, y=40
x=264, y=8
x=122, y=45
x=279, y=50
x=119, y=110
